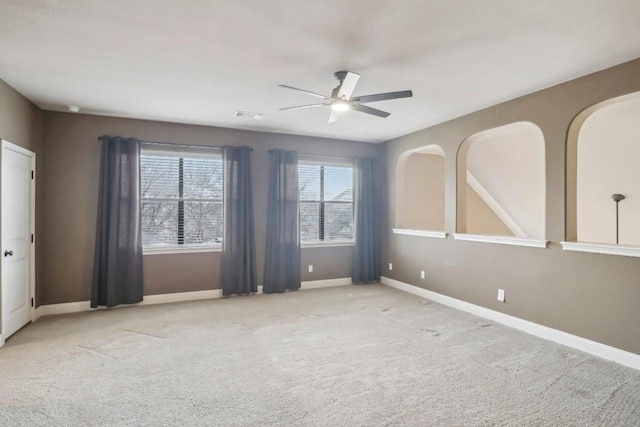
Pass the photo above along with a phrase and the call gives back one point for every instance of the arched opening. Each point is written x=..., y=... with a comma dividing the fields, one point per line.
x=420, y=189
x=501, y=182
x=602, y=160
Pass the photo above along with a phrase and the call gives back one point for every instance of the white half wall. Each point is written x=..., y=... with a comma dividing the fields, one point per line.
x=420, y=189
x=509, y=164
x=608, y=163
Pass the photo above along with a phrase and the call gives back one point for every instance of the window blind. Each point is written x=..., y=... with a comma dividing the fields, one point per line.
x=182, y=198
x=326, y=202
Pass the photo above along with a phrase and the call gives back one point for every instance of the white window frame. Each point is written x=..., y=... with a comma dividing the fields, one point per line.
x=326, y=162
x=152, y=150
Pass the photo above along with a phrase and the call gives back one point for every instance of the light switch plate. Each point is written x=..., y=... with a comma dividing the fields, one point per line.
x=422, y=275
x=501, y=295
x=310, y=268
x=390, y=266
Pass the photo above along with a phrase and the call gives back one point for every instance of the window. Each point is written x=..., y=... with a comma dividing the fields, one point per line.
x=326, y=202
x=182, y=202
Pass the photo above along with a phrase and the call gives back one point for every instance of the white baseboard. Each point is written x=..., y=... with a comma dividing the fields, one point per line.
x=317, y=284
x=327, y=283
x=604, y=351
x=62, y=308
x=181, y=296
x=80, y=306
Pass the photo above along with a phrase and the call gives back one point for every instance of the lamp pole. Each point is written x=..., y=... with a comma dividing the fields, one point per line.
x=617, y=198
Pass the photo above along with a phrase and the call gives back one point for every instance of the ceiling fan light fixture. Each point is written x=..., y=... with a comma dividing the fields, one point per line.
x=340, y=106
x=341, y=97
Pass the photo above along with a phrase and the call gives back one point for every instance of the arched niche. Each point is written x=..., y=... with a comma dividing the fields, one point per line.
x=603, y=152
x=501, y=182
x=420, y=189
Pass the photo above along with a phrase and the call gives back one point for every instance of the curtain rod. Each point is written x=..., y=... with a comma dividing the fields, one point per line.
x=172, y=144
x=321, y=156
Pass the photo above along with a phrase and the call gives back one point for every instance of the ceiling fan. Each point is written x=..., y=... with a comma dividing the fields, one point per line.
x=341, y=100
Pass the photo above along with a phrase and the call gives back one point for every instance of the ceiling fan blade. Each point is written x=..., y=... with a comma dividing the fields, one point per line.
x=369, y=110
x=384, y=96
x=334, y=116
x=300, y=107
x=348, y=85
x=306, y=91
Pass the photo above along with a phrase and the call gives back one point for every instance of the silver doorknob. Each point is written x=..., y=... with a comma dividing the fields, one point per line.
x=8, y=253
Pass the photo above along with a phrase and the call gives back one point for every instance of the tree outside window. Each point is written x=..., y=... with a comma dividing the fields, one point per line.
x=182, y=199
x=326, y=203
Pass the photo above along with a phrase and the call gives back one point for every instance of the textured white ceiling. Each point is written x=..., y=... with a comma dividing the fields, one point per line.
x=198, y=61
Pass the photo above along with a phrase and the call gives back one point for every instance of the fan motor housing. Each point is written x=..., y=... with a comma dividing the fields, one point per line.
x=340, y=75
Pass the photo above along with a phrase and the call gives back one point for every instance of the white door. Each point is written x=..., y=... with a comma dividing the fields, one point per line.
x=16, y=251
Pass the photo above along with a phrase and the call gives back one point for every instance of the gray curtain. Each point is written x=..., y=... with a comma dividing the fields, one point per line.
x=238, y=267
x=366, y=254
x=282, y=259
x=117, y=270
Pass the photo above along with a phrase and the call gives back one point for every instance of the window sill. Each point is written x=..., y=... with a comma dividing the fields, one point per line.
x=502, y=240
x=326, y=244
x=185, y=250
x=423, y=233
x=601, y=248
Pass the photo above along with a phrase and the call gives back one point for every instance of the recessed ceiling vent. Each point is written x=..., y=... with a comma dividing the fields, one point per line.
x=248, y=115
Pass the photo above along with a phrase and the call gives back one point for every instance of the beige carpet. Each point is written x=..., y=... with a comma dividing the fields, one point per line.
x=345, y=356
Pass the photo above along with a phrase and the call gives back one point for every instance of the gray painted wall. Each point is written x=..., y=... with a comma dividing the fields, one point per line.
x=590, y=295
x=21, y=124
x=72, y=161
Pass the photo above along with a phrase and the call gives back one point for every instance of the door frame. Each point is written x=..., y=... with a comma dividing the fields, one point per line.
x=6, y=145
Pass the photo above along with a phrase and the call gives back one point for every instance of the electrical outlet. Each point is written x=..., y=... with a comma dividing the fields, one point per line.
x=422, y=276
x=310, y=268
x=390, y=266
x=501, y=295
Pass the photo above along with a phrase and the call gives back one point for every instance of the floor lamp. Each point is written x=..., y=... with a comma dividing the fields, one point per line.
x=617, y=198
